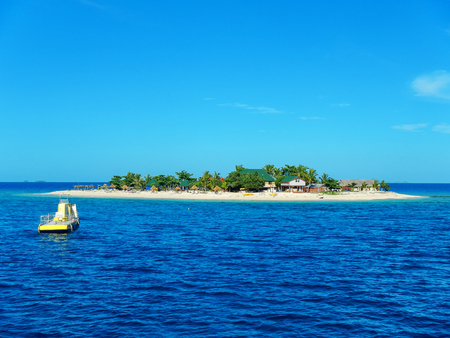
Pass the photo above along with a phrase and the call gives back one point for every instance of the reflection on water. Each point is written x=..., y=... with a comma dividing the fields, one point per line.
x=57, y=238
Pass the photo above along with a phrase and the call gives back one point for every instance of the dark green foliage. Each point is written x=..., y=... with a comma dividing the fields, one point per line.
x=385, y=186
x=116, y=180
x=332, y=184
x=234, y=179
x=184, y=175
x=278, y=181
x=252, y=181
x=128, y=179
x=166, y=181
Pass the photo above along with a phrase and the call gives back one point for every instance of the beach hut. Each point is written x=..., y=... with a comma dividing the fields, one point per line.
x=184, y=185
x=152, y=183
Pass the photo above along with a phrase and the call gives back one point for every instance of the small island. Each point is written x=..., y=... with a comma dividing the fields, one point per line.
x=288, y=183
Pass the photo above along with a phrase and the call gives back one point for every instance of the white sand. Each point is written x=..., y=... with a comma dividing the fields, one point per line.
x=230, y=196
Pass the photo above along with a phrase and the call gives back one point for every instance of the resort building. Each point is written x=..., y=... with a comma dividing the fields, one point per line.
x=346, y=185
x=152, y=183
x=315, y=187
x=269, y=180
x=184, y=185
x=293, y=184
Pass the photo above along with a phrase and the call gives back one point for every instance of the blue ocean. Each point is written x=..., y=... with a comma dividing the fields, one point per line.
x=158, y=268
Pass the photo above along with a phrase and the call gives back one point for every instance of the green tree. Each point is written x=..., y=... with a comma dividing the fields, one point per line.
x=147, y=179
x=117, y=181
x=128, y=179
x=332, y=184
x=184, y=175
x=363, y=186
x=277, y=172
x=385, y=186
x=270, y=169
x=324, y=178
x=376, y=185
x=224, y=185
x=234, y=179
x=278, y=181
x=301, y=171
x=204, y=180
x=138, y=182
x=239, y=167
x=311, y=176
x=288, y=169
x=252, y=181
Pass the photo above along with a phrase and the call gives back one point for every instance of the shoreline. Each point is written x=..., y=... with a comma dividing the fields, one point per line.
x=237, y=196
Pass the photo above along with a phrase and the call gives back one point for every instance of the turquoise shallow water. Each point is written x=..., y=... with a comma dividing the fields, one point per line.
x=227, y=269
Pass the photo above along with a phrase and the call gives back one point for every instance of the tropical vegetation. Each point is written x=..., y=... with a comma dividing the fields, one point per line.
x=235, y=180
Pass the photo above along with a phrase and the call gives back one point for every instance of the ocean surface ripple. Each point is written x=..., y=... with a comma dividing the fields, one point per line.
x=226, y=269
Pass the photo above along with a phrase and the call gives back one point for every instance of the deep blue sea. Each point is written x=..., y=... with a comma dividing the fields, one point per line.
x=155, y=268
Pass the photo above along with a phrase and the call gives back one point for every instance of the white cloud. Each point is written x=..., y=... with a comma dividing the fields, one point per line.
x=436, y=84
x=260, y=110
x=442, y=128
x=411, y=127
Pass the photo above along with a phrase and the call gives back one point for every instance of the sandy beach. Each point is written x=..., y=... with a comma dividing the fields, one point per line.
x=236, y=196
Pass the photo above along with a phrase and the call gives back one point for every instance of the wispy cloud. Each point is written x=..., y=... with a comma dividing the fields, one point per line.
x=442, y=128
x=208, y=98
x=92, y=4
x=436, y=84
x=260, y=110
x=340, y=104
x=411, y=127
x=311, y=118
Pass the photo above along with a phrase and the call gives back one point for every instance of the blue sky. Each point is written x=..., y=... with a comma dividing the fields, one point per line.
x=355, y=89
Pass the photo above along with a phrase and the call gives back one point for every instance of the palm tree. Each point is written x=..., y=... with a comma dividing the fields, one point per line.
x=138, y=181
x=270, y=169
x=239, y=167
x=375, y=185
x=385, y=186
x=288, y=169
x=224, y=185
x=277, y=172
x=363, y=186
x=205, y=178
x=310, y=176
x=183, y=175
x=324, y=178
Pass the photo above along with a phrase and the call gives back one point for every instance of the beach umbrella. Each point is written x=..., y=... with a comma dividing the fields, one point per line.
x=178, y=188
x=112, y=186
x=216, y=189
x=154, y=188
x=124, y=187
x=194, y=188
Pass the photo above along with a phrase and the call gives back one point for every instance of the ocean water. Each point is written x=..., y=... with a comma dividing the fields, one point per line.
x=160, y=268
